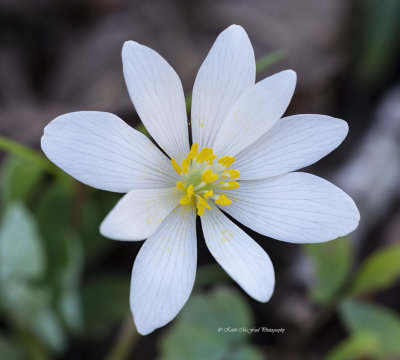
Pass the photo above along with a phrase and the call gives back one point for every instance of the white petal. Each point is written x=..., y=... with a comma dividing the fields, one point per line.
x=164, y=271
x=156, y=92
x=227, y=72
x=239, y=255
x=102, y=151
x=255, y=113
x=139, y=213
x=294, y=142
x=296, y=207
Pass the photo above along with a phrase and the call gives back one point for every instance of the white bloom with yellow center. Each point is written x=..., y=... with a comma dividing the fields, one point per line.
x=241, y=161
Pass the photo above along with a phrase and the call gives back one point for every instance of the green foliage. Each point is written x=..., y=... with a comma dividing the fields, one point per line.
x=332, y=262
x=378, y=272
x=379, y=39
x=205, y=329
x=22, y=264
x=210, y=274
x=359, y=345
x=10, y=349
x=375, y=320
x=270, y=59
x=105, y=302
x=54, y=225
x=93, y=211
x=68, y=301
x=30, y=155
x=19, y=178
x=245, y=352
x=21, y=252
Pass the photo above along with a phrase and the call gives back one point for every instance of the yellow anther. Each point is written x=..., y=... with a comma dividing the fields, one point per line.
x=210, y=159
x=233, y=174
x=204, y=154
x=203, y=202
x=199, y=181
x=208, y=194
x=228, y=185
x=190, y=190
x=200, y=155
x=185, y=164
x=200, y=208
x=223, y=200
x=208, y=176
x=193, y=151
x=185, y=200
x=226, y=161
x=176, y=166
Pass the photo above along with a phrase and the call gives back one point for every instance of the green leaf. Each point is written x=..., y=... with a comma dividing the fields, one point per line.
x=210, y=326
x=64, y=251
x=22, y=265
x=10, y=349
x=224, y=308
x=21, y=253
x=30, y=155
x=105, y=301
x=359, y=345
x=332, y=262
x=93, y=212
x=379, y=271
x=53, y=213
x=383, y=323
x=190, y=341
x=68, y=299
x=210, y=274
x=245, y=352
x=378, y=43
x=19, y=178
x=48, y=328
x=270, y=59
x=29, y=308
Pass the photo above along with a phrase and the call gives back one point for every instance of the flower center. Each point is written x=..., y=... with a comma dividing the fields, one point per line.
x=203, y=180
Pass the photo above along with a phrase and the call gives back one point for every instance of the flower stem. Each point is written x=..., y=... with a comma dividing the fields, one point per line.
x=318, y=322
x=125, y=342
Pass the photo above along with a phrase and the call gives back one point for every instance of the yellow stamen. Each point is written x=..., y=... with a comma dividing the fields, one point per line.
x=204, y=154
x=200, y=178
x=185, y=200
x=176, y=166
x=203, y=202
x=200, y=208
x=223, y=200
x=228, y=185
x=193, y=151
x=190, y=190
x=233, y=174
x=226, y=161
x=208, y=176
x=210, y=159
x=208, y=194
x=185, y=164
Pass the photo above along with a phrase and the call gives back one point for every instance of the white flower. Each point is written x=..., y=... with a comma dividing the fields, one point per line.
x=250, y=176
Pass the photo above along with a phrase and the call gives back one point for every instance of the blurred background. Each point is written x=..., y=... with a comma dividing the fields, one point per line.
x=64, y=288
